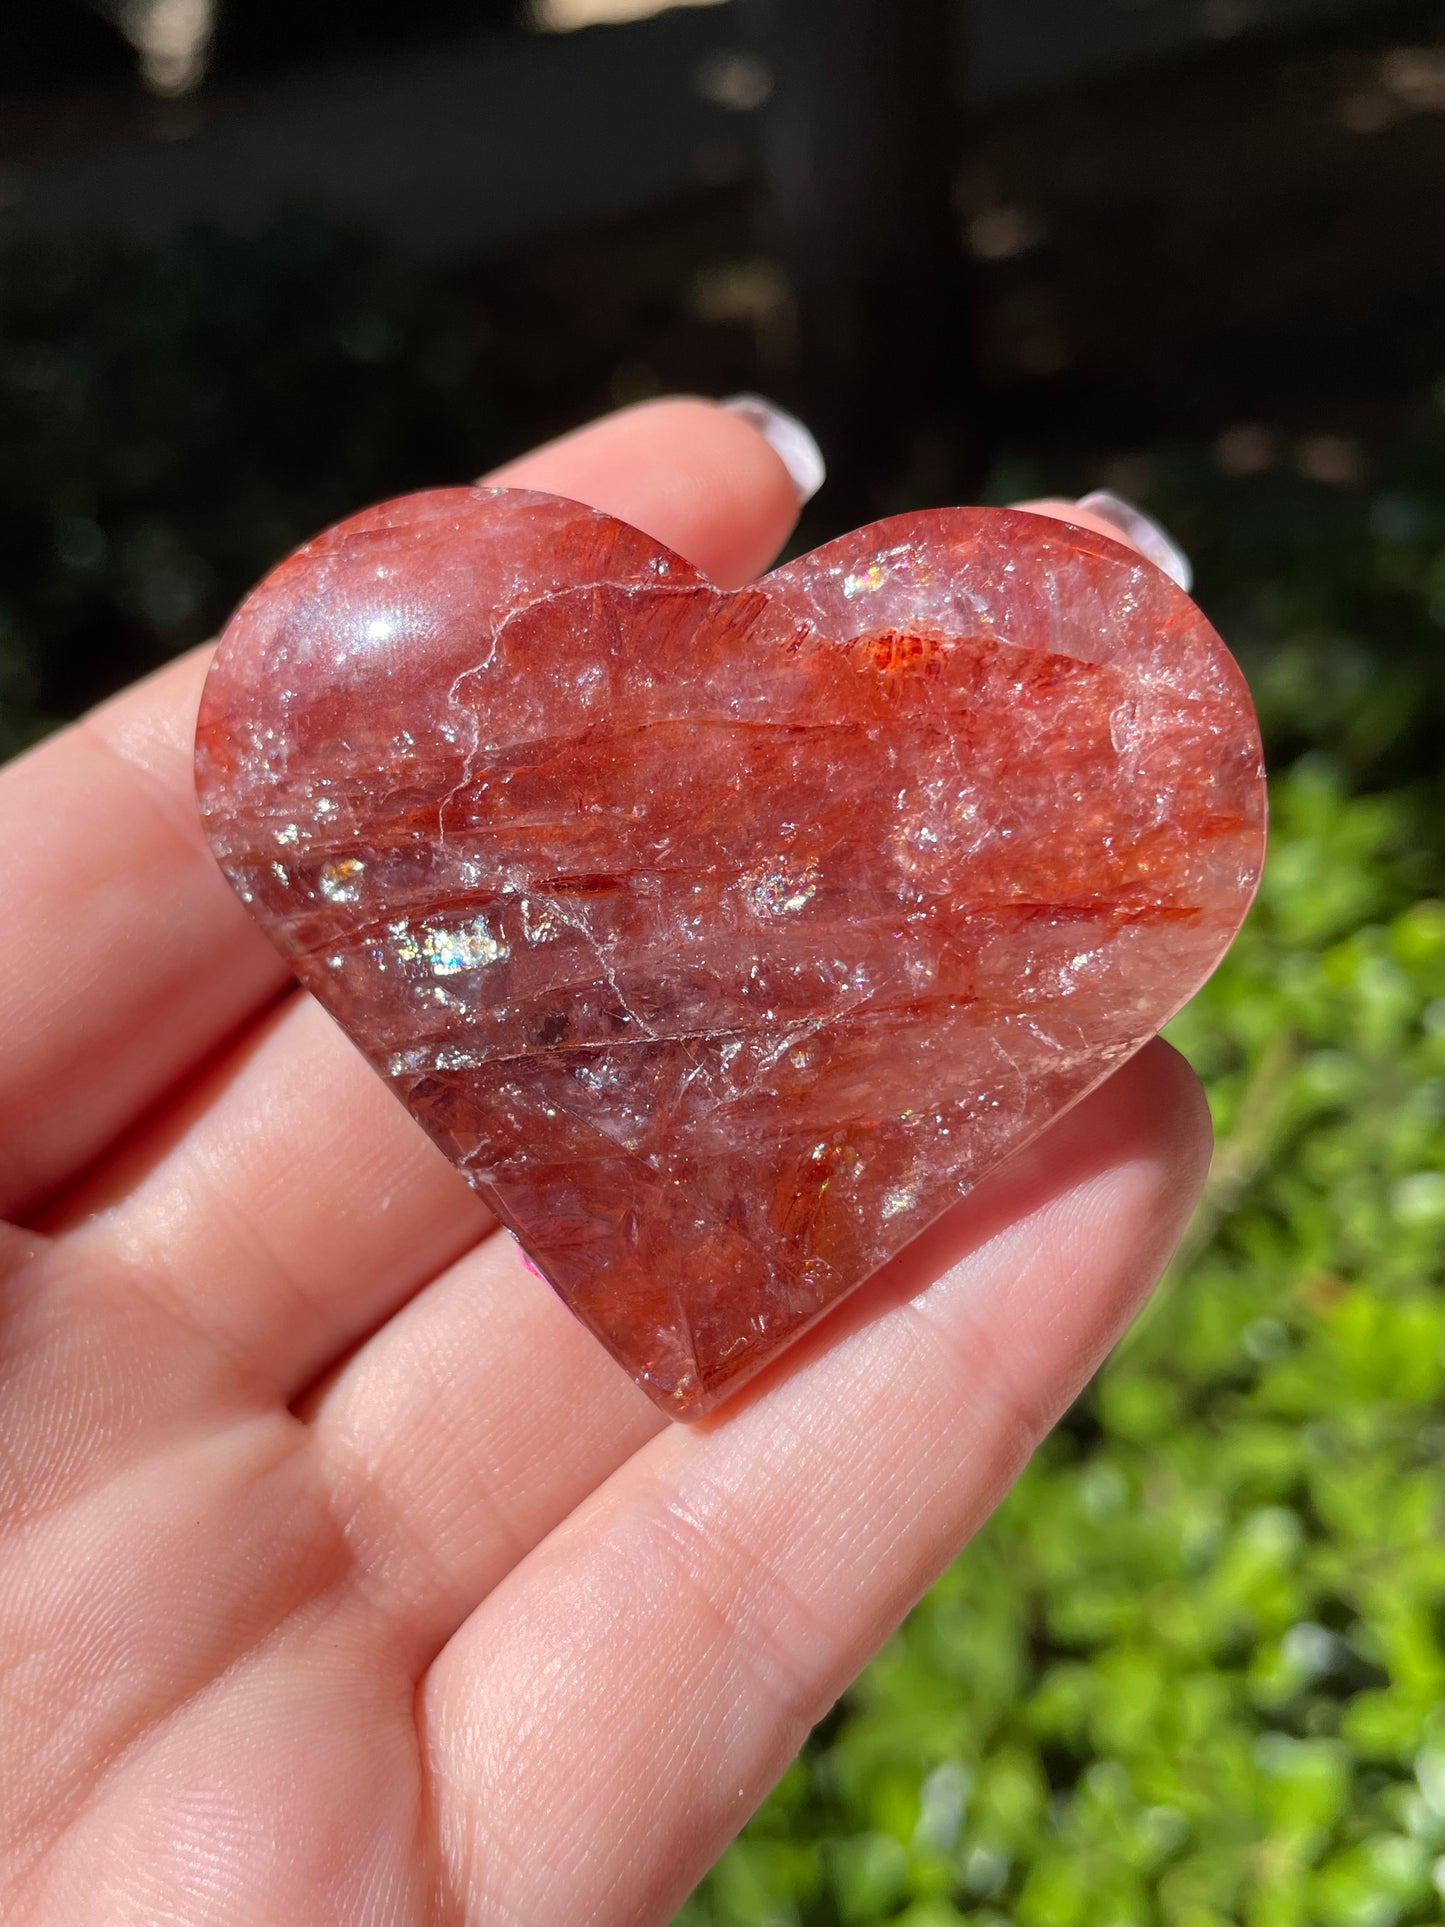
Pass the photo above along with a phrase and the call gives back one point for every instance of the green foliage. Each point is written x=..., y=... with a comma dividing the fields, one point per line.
x=1332, y=597
x=1193, y=1673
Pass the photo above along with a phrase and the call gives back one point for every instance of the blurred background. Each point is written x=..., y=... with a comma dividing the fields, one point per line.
x=265, y=261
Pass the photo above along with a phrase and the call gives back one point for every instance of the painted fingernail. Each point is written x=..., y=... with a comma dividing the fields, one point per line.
x=789, y=440
x=1143, y=531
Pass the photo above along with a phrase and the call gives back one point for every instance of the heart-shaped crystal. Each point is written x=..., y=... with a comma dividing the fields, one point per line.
x=724, y=938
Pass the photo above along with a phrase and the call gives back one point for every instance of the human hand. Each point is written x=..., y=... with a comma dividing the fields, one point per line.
x=343, y=1578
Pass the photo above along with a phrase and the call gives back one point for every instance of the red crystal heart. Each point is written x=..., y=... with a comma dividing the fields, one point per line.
x=722, y=939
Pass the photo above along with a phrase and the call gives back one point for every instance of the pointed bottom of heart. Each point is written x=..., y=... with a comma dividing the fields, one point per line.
x=724, y=939
x=699, y=1255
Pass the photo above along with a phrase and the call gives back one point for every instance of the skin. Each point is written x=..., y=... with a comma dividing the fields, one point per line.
x=343, y=1578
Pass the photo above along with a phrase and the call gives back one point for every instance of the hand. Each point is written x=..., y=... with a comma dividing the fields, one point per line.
x=343, y=1578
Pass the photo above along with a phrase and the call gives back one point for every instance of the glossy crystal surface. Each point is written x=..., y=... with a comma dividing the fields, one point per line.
x=724, y=939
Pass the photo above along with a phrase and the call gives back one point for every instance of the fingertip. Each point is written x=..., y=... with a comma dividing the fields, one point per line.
x=698, y=476
x=1059, y=508
x=1153, y=1117
x=1183, y=1109
x=1105, y=513
x=791, y=440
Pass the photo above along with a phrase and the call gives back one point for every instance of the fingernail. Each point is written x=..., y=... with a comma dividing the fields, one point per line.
x=789, y=440
x=1143, y=531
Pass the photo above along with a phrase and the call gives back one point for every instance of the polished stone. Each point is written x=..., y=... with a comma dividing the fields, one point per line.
x=725, y=939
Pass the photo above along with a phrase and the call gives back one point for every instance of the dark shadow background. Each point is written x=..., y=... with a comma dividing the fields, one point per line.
x=261, y=263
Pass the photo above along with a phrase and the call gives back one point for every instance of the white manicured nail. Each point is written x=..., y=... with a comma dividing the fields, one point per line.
x=1143, y=531
x=789, y=440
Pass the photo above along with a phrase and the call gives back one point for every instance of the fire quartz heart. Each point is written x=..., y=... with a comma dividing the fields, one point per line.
x=724, y=938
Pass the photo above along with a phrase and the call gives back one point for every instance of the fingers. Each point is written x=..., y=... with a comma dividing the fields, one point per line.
x=1060, y=509
x=692, y=474
x=1122, y=521
x=666, y=1650
x=460, y=1434
x=127, y=957
x=280, y=1205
